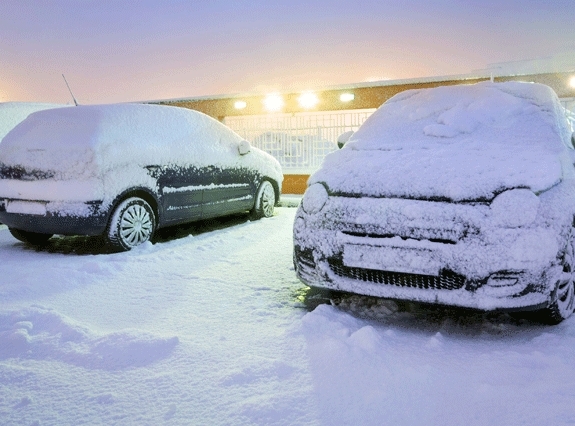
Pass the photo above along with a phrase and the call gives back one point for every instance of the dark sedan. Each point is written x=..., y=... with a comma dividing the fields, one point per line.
x=123, y=171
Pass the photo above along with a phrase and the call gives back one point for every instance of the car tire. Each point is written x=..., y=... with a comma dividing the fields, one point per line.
x=33, y=238
x=132, y=223
x=265, y=201
x=563, y=304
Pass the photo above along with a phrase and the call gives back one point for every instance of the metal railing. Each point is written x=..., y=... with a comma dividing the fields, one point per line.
x=298, y=141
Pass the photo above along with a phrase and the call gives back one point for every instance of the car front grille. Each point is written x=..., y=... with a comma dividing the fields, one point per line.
x=447, y=280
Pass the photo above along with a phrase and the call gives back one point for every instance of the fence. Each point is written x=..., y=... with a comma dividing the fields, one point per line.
x=299, y=141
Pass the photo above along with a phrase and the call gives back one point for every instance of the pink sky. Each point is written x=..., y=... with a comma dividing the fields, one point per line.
x=114, y=51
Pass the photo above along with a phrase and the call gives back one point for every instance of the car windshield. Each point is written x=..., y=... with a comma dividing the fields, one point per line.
x=467, y=117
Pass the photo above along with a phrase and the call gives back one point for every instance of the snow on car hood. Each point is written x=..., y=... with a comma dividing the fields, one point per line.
x=464, y=142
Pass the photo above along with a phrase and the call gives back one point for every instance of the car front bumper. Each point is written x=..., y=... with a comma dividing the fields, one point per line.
x=425, y=251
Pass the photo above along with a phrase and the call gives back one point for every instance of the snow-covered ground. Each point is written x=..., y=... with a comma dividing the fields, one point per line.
x=213, y=328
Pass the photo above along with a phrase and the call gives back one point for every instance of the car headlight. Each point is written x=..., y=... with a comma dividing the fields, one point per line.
x=514, y=208
x=314, y=198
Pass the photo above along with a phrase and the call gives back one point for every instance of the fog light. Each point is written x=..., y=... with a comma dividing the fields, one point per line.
x=501, y=281
x=502, y=286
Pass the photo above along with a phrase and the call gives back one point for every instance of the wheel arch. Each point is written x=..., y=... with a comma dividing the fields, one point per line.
x=275, y=185
x=144, y=193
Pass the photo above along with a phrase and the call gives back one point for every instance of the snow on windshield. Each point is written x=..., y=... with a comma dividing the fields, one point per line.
x=456, y=142
x=518, y=114
x=12, y=113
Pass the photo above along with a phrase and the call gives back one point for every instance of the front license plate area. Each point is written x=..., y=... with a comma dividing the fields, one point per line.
x=393, y=259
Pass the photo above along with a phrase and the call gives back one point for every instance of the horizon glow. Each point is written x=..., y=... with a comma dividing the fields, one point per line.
x=134, y=51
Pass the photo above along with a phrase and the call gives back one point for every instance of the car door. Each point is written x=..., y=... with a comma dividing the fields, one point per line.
x=232, y=190
x=232, y=185
x=181, y=189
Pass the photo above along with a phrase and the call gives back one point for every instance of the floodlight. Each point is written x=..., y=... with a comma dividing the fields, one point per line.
x=346, y=97
x=308, y=100
x=240, y=104
x=273, y=102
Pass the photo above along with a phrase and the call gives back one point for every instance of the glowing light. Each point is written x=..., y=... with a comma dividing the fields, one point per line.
x=572, y=82
x=346, y=97
x=273, y=102
x=308, y=100
x=240, y=104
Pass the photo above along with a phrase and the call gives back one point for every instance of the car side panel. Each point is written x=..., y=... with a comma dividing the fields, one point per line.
x=232, y=190
x=181, y=192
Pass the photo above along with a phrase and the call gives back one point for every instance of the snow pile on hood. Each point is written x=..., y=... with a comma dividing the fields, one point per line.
x=12, y=113
x=455, y=142
x=86, y=140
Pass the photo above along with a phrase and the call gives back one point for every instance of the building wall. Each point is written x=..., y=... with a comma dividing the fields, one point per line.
x=367, y=95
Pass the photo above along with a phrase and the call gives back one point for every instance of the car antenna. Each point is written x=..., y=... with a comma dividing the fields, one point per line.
x=70, y=90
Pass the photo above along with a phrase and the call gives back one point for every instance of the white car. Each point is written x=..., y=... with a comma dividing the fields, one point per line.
x=124, y=170
x=461, y=195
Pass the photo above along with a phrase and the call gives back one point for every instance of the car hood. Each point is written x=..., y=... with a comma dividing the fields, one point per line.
x=447, y=174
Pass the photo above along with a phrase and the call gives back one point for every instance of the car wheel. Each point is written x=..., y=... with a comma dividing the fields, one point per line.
x=265, y=201
x=133, y=223
x=34, y=238
x=564, y=303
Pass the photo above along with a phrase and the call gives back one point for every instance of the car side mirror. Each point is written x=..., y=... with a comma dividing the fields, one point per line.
x=343, y=138
x=573, y=139
x=244, y=147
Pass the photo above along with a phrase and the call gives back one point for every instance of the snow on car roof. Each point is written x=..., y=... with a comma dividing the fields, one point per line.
x=456, y=142
x=112, y=134
x=12, y=113
x=99, y=125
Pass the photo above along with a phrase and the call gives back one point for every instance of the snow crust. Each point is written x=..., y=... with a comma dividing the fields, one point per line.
x=216, y=329
x=463, y=142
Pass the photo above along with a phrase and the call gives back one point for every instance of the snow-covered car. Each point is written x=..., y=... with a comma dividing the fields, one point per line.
x=124, y=170
x=460, y=195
